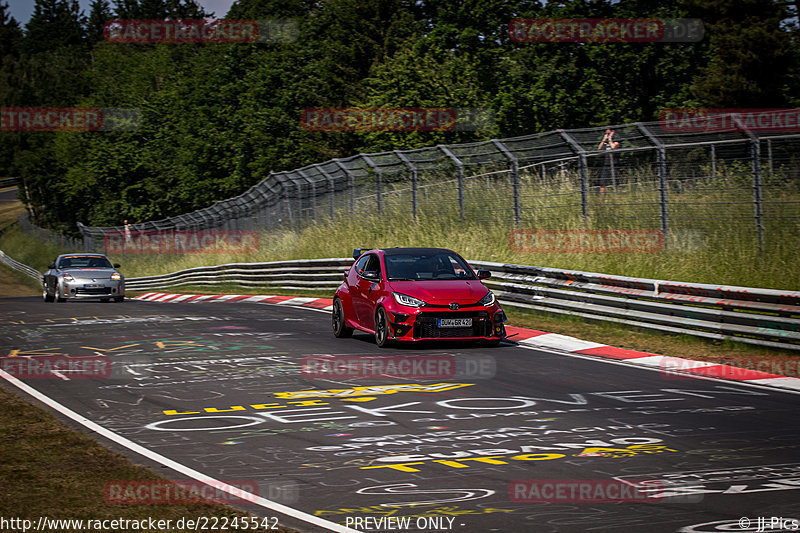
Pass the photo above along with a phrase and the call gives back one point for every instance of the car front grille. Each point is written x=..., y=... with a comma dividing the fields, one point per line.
x=425, y=325
x=97, y=290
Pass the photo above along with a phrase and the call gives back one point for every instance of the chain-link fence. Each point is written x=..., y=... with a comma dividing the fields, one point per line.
x=66, y=243
x=660, y=178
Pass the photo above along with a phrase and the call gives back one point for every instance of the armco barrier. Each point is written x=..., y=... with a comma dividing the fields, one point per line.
x=765, y=317
x=19, y=267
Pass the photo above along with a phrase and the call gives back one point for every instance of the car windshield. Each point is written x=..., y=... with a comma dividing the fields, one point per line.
x=426, y=266
x=84, y=261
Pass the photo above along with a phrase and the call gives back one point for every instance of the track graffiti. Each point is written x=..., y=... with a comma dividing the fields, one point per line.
x=413, y=489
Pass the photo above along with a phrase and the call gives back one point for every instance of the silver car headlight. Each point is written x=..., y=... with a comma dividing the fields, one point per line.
x=409, y=301
x=68, y=278
x=487, y=300
x=115, y=276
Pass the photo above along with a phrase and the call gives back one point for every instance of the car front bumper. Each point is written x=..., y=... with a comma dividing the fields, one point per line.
x=92, y=289
x=424, y=324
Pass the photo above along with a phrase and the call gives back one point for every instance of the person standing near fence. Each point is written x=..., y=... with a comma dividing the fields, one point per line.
x=608, y=174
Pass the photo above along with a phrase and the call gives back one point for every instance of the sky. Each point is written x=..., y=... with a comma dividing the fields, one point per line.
x=23, y=9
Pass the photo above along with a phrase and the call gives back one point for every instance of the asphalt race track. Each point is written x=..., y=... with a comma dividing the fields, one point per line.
x=506, y=439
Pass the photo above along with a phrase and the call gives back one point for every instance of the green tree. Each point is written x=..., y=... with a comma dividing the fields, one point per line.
x=752, y=56
x=99, y=14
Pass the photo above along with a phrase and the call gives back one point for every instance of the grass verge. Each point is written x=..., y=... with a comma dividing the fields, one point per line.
x=54, y=471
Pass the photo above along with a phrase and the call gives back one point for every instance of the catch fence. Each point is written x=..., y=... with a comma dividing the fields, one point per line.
x=678, y=182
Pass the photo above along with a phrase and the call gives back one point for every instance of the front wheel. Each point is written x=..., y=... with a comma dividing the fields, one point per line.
x=338, y=322
x=46, y=296
x=381, y=329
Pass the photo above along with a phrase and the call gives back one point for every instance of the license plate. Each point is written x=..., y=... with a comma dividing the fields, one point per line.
x=92, y=286
x=455, y=323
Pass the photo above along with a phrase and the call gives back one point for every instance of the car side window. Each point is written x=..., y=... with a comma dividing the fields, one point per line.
x=373, y=265
x=361, y=263
x=368, y=263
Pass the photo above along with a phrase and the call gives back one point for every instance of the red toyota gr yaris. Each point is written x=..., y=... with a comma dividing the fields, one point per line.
x=416, y=294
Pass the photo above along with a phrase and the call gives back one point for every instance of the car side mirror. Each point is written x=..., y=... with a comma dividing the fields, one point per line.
x=371, y=275
x=484, y=274
x=346, y=272
x=116, y=265
x=51, y=266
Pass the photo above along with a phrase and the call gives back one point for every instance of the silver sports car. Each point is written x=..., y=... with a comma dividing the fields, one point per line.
x=82, y=276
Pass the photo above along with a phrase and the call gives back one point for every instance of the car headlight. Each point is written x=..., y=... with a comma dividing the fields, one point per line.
x=115, y=276
x=487, y=300
x=68, y=277
x=409, y=301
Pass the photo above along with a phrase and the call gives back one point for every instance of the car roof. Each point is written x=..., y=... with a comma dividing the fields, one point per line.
x=81, y=254
x=425, y=251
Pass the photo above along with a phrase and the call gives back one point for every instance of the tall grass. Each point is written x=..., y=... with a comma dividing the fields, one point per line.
x=712, y=235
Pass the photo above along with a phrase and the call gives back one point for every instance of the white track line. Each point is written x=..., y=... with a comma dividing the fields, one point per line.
x=169, y=463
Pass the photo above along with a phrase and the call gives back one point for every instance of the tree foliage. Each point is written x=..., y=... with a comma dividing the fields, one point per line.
x=216, y=118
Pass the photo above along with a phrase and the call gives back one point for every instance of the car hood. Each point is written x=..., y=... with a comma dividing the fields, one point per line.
x=90, y=273
x=442, y=292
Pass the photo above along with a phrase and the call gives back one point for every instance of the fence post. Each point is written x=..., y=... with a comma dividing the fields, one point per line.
x=755, y=159
x=414, y=184
x=769, y=155
x=512, y=158
x=313, y=185
x=460, y=177
x=661, y=170
x=331, y=189
x=713, y=159
x=378, y=182
x=758, y=192
x=351, y=184
x=583, y=169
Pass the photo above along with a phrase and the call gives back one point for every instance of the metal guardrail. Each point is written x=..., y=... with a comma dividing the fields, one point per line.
x=308, y=274
x=20, y=267
x=765, y=317
x=8, y=182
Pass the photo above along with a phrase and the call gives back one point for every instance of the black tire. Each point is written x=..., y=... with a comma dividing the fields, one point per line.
x=381, y=329
x=338, y=321
x=58, y=298
x=46, y=297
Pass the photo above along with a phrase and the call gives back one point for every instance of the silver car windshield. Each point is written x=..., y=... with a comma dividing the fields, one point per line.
x=84, y=261
x=421, y=267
